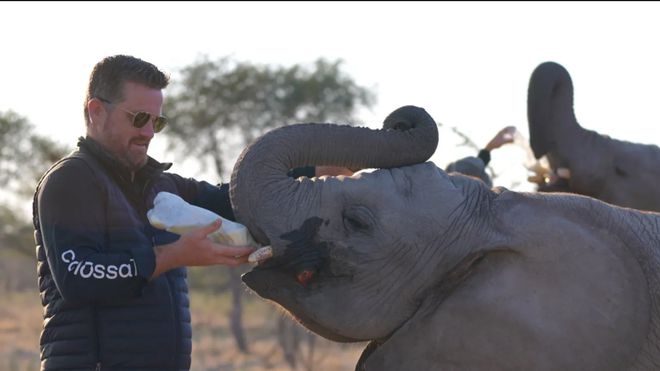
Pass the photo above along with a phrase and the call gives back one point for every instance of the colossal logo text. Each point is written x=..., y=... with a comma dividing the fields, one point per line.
x=99, y=271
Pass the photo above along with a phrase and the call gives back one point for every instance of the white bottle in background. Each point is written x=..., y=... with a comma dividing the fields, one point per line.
x=540, y=169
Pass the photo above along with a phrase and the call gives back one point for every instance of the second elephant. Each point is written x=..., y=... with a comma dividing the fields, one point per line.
x=618, y=172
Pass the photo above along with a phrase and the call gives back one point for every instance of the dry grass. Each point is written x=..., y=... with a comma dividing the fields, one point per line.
x=20, y=324
x=213, y=345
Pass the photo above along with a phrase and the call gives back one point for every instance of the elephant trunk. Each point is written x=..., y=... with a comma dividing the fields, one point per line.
x=550, y=113
x=263, y=195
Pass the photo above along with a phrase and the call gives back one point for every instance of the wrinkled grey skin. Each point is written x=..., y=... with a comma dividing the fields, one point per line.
x=618, y=172
x=440, y=272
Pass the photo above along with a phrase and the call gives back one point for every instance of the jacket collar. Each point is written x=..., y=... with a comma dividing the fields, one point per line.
x=150, y=169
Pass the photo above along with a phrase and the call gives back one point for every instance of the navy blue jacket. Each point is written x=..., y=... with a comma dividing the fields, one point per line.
x=95, y=256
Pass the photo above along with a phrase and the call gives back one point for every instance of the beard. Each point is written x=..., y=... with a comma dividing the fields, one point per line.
x=131, y=160
x=131, y=153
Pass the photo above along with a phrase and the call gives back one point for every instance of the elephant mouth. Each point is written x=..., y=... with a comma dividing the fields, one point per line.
x=279, y=279
x=302, y=255
x=296, y=264
x=305, y=269
x=269, y=280
x=277, y=282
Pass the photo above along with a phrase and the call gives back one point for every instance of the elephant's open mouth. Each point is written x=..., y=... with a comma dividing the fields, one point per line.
x=299, y=261
x=267, y=282
x=308, y=268
x=303, y=254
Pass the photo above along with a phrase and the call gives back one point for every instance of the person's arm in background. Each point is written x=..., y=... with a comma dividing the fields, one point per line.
x=503, y=137
x=333, y=171
x=312, y=171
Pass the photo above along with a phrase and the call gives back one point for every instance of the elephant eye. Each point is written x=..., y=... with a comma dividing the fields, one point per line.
x=357, y=219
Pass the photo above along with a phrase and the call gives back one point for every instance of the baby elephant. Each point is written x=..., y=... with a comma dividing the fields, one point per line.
x=438, y=271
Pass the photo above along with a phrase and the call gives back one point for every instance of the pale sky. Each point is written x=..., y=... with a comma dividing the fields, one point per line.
x=467, y=63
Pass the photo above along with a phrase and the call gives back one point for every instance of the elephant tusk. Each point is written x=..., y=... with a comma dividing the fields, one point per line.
x=261, y=254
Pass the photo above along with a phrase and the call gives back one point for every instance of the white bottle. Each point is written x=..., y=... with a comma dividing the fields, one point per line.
x=173, y=214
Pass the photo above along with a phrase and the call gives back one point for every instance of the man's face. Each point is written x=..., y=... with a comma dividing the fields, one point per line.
x=115, y=130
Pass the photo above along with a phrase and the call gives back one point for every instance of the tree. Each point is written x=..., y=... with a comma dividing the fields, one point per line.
x=16, y=233
x=220, y=106
x=24, y=157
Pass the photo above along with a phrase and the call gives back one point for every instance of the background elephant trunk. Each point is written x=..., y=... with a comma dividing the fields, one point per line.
x=261, y=192
x=550, y=113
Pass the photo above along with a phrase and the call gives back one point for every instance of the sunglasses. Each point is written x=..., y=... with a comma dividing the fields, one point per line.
x=142, y=118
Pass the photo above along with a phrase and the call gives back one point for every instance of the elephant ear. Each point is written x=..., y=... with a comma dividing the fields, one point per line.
x=550, y=113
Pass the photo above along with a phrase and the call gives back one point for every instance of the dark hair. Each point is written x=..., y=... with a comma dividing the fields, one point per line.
x=109, y=75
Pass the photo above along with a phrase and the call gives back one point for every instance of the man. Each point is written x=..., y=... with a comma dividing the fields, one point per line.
x=476, y=166
x=113, y=287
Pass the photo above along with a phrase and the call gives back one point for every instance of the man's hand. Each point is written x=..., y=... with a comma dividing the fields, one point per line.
x=503, y=137
x=196, y=249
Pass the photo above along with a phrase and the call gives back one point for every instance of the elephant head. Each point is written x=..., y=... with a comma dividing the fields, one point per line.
x=439, y=271
x=617, y=172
